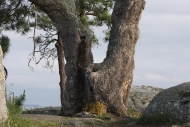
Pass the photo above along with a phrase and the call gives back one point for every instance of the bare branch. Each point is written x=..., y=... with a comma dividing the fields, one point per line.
x=34, y=40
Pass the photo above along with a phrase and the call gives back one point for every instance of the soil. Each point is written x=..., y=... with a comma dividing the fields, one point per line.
x=50, y=114
x=115, y=121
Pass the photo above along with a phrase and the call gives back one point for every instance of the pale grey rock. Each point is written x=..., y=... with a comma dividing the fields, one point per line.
x=173, y=103
x=44, y=110
x=140, y=97
x=3, y=107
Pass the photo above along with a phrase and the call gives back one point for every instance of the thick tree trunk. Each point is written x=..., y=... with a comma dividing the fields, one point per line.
x=91, y=85
x=74, y=36
x=3, y=107
x=111, y=80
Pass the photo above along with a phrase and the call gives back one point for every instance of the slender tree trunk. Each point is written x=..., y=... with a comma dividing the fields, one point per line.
x=105, y=83
x=3, y=107
x=61, y=62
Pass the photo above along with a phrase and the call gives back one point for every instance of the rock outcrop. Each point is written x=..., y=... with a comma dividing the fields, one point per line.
x=172, y=104
x=44, y=111
x=140, y=97
x=3, y=108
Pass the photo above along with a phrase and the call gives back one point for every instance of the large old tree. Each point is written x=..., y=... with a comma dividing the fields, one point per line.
x=91, y=83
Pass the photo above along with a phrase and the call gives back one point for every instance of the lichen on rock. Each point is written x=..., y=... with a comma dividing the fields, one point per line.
x=140, y=97
x=184, y=93
x=174, y=102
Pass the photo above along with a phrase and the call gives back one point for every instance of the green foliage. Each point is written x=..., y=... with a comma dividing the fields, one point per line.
x=15, y=103
x=93, y=13
x=21, y=16
x=105, y=116
x=23, y=122
x=133, y=113
x=98, y=9
x=14, y=15
x=5, y=44
x=43, y=21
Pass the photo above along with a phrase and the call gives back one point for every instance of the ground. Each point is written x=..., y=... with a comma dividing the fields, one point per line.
x=60, y=121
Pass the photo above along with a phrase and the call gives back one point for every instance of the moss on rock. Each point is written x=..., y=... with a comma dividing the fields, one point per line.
x=185, y=93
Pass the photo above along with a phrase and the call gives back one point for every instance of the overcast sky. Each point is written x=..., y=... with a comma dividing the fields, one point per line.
x=162, y=56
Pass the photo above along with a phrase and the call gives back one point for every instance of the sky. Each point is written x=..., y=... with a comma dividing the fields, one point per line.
x=161, y=58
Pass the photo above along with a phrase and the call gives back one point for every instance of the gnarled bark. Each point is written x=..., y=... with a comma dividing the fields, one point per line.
x=107, y=82
x=71, y=32
x=3, y=107
x=111, y=80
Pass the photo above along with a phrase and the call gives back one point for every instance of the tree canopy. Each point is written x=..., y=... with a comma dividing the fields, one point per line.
x=14, y=15
x=5, y=44
x=22, y=15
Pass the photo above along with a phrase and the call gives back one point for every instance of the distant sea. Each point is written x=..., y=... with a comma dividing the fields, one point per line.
x=29, y=106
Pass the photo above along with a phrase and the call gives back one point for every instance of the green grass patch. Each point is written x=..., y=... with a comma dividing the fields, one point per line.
x=158, y=120
x=105, y=116
x=134, y=113
x=16, y=121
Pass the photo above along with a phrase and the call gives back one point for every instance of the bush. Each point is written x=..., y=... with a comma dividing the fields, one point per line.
x=15, y=106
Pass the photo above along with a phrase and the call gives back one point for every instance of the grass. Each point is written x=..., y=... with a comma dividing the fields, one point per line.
x=134, y=113
x=16, y=121
x=14, y=105
x=105, y=116
x=156, y=120
x=159, y=120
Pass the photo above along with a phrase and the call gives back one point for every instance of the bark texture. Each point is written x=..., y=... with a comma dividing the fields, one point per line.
x=3, y=107
x=74, y=37
x=105, y=83
x=61, y=64
x=111, y=80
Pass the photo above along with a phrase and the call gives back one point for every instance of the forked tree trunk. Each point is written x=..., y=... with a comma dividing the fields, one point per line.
x=3, y=107
x=105, y=83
